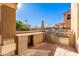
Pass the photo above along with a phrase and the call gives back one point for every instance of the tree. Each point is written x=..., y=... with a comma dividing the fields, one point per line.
x=18, y=24
x=21, y=26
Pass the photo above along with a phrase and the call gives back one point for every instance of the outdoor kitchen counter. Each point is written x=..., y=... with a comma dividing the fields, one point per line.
x=24, y=41
x=29, y=34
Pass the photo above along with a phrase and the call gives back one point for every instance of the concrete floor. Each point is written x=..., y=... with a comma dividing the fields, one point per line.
x=47, y=49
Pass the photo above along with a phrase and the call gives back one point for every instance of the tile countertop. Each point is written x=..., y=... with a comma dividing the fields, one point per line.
x=29, y=34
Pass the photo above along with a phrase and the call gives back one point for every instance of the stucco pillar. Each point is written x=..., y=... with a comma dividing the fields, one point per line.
x=7, y=28
x=75, y=23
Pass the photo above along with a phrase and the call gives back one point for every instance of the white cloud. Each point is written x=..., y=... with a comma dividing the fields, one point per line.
x=19, y=5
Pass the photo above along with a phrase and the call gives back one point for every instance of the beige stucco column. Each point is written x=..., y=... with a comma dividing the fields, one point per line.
x=75, y=23
x=7, y=28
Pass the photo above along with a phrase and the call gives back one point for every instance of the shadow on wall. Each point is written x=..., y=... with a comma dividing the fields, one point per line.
x=72, y=39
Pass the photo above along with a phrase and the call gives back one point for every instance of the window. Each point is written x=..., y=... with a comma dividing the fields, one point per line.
x=69, y=16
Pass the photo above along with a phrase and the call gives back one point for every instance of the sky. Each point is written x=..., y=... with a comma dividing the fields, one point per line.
x=34, y=13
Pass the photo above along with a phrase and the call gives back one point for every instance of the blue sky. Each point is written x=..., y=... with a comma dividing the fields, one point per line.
x=34, y=13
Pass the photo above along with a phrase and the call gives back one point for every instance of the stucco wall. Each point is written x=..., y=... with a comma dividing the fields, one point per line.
x=66, y=21
x=11, y=5
x=7, y=28
x=75, y=23
x=0, y=25
x=53, y=38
